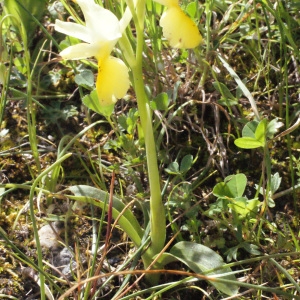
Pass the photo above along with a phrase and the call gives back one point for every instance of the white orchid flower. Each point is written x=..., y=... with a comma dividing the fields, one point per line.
x=178, y=28
x=101, y=33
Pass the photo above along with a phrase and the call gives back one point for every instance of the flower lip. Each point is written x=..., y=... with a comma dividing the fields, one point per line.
x=112, y=81
x=182, y=34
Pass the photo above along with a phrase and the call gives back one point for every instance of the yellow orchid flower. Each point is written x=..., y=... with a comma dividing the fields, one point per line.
x=178, y=28
x=101, y=33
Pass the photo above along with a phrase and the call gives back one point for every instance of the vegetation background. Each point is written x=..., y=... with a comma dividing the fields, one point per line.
x=242, y=203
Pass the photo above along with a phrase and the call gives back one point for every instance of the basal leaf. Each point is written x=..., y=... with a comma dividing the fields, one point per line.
x=203, y=260
x=94, y=196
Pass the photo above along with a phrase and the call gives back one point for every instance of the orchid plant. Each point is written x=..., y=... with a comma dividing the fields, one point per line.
x=101, y=33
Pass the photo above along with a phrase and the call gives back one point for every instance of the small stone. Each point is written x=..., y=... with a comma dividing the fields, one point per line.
x=48, y=237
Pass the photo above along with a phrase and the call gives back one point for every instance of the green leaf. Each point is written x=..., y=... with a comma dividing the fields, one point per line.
x=275, y=182
x=223, y=89
x=249, y=129
x=160, y=102
x=248, y=143
x=251, y=248
x=85, y=79
x=67, y=42
x=232, y=253
x=218, y=207
x=271, y=203
x=131, y=121
x=227, y=102
x=203, y=260
x=239, y=206
x=239, y=92
x=236, y=184
x=241, y=85
x=186, y=163
x=191, y=9
x=227, y=98
x=232, y=187
x=261, y=132
x=252, y=206
x=94, y=196
x=221, y=190
x=20, y=64
x=54, y=112
x=122, y=121
x=173, y=168
x=92, y=102
x=56, y=10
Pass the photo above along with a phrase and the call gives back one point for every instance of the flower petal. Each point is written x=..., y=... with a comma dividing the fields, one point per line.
x=102, y=24
x=125, y=20
x=73, y=29
x=179, y=29
x=79, y=51
x=112, y=81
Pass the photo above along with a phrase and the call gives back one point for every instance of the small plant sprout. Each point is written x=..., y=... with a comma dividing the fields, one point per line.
x=178, y=28
x=258, y=135
x=100, y=34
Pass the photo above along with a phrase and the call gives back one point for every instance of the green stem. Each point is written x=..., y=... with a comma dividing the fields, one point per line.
x=157, y=212
x=208, y=12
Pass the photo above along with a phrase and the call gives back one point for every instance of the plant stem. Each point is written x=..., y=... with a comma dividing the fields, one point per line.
x=208, y=12
x=157, y=212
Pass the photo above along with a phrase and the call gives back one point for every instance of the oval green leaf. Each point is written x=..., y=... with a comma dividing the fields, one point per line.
x=248, y=143
x=203, y=260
